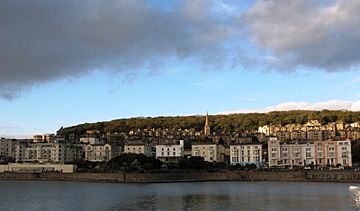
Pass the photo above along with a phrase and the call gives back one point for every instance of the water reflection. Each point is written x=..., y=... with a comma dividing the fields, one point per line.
x=176, y=196
x=355, y=190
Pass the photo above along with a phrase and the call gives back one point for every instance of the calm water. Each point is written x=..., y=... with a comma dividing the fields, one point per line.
x=38, y=195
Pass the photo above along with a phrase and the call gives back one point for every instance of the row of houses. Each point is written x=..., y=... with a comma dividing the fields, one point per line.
x=59, y=151
x=278, y=153
x=172, y=152
x=312, y=130
x=317, y=153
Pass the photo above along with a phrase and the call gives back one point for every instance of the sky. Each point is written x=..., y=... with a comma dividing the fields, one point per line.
x=66, y=62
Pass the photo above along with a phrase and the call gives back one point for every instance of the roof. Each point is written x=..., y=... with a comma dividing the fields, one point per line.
x=204, y=143
x=245, y=143
x=134, y=144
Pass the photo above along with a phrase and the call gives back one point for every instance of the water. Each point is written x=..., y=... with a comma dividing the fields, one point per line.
x=41, y=195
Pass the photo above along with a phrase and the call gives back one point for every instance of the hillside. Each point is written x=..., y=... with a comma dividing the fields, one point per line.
x=219, y=123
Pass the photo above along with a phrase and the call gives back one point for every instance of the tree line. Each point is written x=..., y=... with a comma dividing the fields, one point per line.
x=218, y=123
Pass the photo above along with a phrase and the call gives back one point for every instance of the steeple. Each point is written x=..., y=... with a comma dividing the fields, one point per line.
x=207, y=127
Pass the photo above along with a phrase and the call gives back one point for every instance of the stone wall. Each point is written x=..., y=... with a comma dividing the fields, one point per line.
x=311, y=176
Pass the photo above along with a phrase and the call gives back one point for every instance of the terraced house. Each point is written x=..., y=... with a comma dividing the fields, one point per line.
x=211, y=152
x=303, y=153
x=246, y=153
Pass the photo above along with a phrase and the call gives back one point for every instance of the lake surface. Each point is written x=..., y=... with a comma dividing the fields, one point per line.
x=43, y=195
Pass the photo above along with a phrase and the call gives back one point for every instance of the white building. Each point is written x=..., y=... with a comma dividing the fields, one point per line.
x=170, y=153
x=246, y=153
x=264, y=129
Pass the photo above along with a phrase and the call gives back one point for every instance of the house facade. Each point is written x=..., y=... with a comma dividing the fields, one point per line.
x=170, y=152
x=303, y=153
x=211, y=152
x=246, y=153
x=101, y=152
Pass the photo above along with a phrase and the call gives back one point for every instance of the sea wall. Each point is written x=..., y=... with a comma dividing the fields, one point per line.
x=311, y=176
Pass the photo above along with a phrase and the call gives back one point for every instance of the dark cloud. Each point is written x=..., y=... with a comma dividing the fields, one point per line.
x=42, y=41
x=316, y=34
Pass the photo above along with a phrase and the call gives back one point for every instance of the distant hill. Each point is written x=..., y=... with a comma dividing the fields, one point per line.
x=218, y=123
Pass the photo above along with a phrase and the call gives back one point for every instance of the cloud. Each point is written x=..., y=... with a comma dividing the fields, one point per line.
x=294, y=105
x=312, y=34
x=42, y=41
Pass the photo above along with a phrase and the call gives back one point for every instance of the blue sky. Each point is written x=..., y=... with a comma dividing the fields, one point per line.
x=232, y=66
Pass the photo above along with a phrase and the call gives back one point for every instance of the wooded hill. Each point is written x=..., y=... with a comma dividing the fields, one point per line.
x=218, y=123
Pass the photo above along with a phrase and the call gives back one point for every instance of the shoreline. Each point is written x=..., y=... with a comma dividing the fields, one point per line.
x=190, y=176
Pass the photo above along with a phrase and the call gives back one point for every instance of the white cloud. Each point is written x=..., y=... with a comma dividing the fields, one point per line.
x=299, y=105
x=307, y=33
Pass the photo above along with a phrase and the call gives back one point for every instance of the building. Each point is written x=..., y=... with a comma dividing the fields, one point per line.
x=333, y=153
x=57, y=152
x=207, y=127
x=283, y=135
x=170, y=152
x=211, y=152
x=90, y=140
x=38, y=138
x=264, y=129
x=246, y=153
x=303, y=153
x=7, y=148
x=38, y=168
x=298, y=135
x=101, y=152
x=314, y=135
x=138, y=148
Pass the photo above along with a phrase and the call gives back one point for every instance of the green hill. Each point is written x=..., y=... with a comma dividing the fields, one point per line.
x=219, y=123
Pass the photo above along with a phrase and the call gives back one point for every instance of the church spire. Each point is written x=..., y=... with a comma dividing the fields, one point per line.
x=207, y=127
